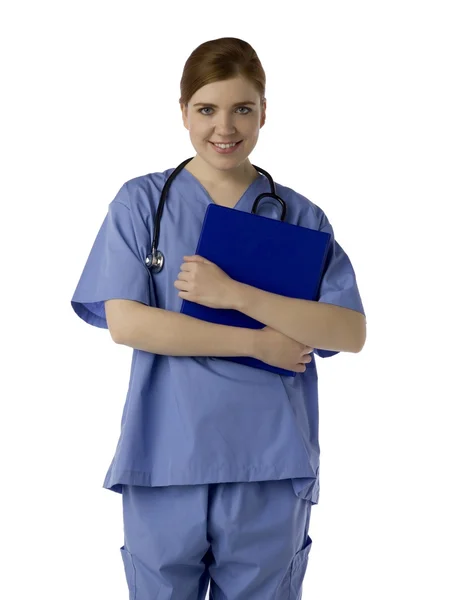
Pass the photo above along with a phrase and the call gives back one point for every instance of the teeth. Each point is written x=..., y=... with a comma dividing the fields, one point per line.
x=225, y=145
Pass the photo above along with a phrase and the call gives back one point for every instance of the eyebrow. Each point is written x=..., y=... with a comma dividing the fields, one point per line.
x=215, y=106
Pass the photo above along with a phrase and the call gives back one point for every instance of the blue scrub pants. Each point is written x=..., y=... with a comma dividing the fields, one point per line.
x=249, y=540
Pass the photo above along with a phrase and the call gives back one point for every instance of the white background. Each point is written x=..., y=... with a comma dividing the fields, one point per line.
x=357, y=121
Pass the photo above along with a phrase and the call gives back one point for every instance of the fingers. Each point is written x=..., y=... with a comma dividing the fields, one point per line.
x=307, y=350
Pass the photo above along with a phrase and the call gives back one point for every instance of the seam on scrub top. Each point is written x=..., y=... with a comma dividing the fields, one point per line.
x=135, y=236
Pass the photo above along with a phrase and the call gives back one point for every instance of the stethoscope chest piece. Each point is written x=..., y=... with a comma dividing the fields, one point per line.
x=155, y=262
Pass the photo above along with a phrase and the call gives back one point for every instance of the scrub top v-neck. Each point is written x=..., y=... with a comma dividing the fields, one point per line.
x=243, y=198
x=191, y=420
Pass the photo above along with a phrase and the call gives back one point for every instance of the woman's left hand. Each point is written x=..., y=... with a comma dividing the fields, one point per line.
x=203, y=282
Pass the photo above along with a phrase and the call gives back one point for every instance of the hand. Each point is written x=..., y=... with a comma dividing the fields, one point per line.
x=277, y=349
x=203, y=282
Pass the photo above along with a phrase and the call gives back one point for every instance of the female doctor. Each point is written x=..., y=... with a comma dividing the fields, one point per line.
x=217, y=462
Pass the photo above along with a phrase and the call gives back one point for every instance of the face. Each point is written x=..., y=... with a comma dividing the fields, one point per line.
x=236, y=117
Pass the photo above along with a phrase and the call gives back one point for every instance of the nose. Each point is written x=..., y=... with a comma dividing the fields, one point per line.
x=224, y=125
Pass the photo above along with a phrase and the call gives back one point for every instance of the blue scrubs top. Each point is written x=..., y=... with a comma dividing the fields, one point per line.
x=197, y=420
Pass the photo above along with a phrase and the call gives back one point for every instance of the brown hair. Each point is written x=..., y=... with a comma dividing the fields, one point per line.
x=218, y=60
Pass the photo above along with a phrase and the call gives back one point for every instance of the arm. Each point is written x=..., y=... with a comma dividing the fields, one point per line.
x=315, y=324
x=166, y=332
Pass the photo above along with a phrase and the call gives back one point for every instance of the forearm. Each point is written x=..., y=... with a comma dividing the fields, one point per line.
x=166, y=332
x=315, y=324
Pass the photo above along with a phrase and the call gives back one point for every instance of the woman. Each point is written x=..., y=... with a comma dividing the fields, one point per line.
x=217, y=462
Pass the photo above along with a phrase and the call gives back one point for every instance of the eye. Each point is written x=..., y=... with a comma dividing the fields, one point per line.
x=246, y=108
x=210, y=108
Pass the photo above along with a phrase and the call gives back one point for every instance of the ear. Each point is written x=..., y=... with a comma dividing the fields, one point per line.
x=184, y=115
x=264, y=114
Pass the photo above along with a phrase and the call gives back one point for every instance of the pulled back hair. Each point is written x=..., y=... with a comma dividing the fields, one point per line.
x=218, y=60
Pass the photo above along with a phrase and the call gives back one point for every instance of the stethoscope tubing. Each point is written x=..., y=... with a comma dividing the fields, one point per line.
x=155, y=260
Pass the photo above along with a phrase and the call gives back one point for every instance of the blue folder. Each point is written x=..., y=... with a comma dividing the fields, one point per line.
x=272, y=255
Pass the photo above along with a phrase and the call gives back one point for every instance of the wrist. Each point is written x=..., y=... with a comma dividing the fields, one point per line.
x=238, y=296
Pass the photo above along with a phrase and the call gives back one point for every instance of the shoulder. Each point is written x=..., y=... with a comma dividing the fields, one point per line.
x=142, y=193
x=304, y=212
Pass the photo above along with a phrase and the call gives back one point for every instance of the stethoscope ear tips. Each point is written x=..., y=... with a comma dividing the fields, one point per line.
x=155, y=263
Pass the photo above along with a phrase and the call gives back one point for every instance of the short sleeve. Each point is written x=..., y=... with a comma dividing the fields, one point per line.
x=338, y=285
x=115, y=267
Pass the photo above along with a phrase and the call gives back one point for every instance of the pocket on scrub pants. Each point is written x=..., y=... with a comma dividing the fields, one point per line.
x=130, y=572
x=291, y=586
x=299, y=567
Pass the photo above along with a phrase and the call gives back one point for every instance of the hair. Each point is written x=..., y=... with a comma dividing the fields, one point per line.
x=218, y=60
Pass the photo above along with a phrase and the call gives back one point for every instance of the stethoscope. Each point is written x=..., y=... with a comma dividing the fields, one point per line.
x=155, y=261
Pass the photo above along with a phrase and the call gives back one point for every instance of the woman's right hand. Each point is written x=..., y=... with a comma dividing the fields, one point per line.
x=279, y=350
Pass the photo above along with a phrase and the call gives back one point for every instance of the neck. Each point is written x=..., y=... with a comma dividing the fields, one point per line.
x=242, y=174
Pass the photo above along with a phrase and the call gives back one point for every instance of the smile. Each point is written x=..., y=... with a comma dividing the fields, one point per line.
x=226, y=148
